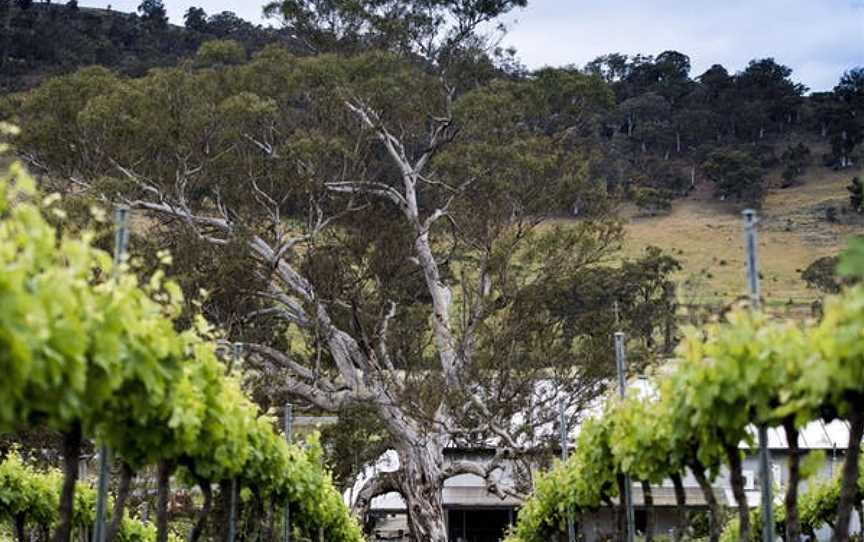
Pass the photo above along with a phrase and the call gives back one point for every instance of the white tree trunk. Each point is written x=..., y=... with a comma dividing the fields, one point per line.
x=364, y=376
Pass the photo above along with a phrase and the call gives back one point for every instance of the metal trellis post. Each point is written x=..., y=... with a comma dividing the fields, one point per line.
x=621, y=363
x=288, y=424
x=121, y=244
x=232, y=512
x=750, y=222
x=571, y=527
x=102, y=494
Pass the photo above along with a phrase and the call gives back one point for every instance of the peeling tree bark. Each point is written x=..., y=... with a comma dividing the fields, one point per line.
x=421, y=489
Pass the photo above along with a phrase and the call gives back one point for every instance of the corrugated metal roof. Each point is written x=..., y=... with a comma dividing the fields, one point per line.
x=479, y=497
x=665, y=496
x=816, y=435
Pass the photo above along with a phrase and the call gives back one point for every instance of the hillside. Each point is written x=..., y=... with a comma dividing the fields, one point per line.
x=641, y=123
x=49, y=39
x=706, y=235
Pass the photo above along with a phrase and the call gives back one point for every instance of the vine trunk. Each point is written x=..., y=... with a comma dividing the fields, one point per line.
x=71, y=452
x=849, y=486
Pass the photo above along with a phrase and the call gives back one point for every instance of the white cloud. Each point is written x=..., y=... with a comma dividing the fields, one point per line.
x=819, y=40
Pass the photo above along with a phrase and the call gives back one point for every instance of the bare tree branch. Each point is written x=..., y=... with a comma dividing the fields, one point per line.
x=379, y=484
x=330, y=401
x=282, y=359
x=455, y=468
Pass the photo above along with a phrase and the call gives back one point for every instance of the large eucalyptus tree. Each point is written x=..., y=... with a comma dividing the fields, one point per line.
x=371, y=226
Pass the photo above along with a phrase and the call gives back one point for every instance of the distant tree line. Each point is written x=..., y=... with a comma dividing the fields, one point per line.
x=667, y=127
x=665, y=131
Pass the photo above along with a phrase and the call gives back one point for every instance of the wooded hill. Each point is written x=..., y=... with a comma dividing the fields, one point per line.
x=654, y=133
x=41, y=39
x=662, y=129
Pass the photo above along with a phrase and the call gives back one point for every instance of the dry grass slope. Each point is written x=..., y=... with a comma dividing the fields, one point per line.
x=707, y=236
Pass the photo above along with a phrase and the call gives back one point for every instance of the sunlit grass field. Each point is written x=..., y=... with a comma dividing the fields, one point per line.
x=707, y=237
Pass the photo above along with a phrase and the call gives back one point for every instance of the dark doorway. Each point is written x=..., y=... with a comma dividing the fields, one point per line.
x=479, y=524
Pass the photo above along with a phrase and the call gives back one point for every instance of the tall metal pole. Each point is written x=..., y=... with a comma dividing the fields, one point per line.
x=621, y=363
x=286, y=514
x=750, y=222
x=232, y=511
x=121, y=245
x=102, y=494
x=571, y=527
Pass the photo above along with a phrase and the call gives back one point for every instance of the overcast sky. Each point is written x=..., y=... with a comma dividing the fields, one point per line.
x=819, y=39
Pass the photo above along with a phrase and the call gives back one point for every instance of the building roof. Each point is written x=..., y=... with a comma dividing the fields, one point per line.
x=479, y=497
x=665, y=497
x=816, y=435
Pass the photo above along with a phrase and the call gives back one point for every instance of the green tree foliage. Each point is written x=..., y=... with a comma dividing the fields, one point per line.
x=652, y=201
x=429, y=29
x=846, y=124
x=663, y=113
x=822, y=275
x=195, y=19
x=153, y=13
x=220, y=53
x=795, y=159
x=768, y=85
x=735, y=174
